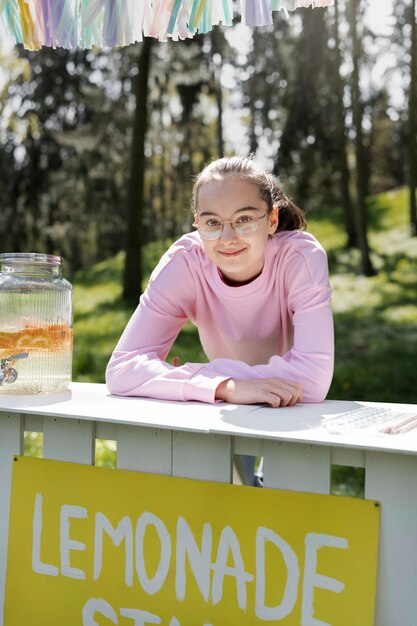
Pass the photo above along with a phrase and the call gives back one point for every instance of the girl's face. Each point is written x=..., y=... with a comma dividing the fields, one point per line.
x=239, y=258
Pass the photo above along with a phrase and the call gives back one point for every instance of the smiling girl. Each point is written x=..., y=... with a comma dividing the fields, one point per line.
x=256, y=286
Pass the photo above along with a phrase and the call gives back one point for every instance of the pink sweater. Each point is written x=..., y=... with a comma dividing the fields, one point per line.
x=280, y=324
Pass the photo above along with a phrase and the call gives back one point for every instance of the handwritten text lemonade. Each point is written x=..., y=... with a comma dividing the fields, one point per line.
x=211, y=557
x=96, y=547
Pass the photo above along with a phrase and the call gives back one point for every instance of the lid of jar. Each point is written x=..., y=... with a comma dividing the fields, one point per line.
x=30, y=257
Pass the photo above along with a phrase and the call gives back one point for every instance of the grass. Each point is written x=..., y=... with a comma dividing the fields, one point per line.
x=375, y=317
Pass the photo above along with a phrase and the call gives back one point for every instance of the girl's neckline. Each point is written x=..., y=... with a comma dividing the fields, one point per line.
x=233, y=283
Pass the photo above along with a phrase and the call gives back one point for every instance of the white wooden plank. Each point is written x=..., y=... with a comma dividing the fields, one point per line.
x=204, y=457
x=247, y=445
x=106, y=430
x=92, y=401
x=296, y=467
x=11, y=443
x=144, y=449
x=392, y=479
x=348, y=456
x=34, y=423
x=68, y=440
x=298, y=424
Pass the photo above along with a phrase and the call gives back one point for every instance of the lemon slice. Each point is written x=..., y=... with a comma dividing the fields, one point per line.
x=35, y=339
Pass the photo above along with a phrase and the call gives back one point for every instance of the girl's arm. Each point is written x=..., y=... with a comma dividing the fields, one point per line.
x=309, y=362
x=137, y=366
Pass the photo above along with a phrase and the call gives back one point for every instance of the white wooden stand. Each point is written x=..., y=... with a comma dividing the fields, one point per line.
x=196, y=440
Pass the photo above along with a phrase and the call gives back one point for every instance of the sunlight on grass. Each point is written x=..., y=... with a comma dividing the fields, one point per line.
x=105, y=453
x=105, y=450
x=375, y=317
x=33, y=444
x=406, y=314
x=90, y=297
x=328, y=234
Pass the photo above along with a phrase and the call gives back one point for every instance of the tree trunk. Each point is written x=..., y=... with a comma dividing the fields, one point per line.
x=34, y=187
x=219, y=102
x=341, y=145
x=216, y=63
x=412, y=121
x=132, y=279
x=253, y=139
x=357, y=111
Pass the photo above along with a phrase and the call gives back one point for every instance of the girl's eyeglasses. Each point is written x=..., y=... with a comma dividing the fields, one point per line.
x=242, y=225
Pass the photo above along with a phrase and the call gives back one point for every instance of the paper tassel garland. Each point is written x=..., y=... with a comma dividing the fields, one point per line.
x=107, y=23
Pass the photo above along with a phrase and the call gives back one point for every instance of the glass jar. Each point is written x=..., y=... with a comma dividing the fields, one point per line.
x=35, y=324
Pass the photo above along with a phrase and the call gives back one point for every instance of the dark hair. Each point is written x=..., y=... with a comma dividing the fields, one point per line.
x=291, y=217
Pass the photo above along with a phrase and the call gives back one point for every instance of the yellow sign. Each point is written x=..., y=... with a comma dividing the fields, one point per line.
x=96, y=547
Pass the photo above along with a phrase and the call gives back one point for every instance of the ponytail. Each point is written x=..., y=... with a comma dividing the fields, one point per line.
x=291, y=216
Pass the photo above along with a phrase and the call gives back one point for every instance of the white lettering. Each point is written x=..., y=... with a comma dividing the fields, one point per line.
x=67, y=544
x=191, y=555
x=37, y=565
x=97, y=605
x=141, y=618
x=229, y=542
x=293, y=573
x=175, y=622
x=315, y=541
x=200, y=562
x=123, y=531
x=154, y=584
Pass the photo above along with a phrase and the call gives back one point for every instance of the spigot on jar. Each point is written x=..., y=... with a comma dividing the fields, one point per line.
x=8, y=374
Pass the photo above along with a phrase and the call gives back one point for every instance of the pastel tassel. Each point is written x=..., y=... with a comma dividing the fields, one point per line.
x=12, y=21
x=257, y=13
x=83, y=24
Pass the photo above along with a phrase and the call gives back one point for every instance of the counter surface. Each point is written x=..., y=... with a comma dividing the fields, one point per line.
x=302, y=423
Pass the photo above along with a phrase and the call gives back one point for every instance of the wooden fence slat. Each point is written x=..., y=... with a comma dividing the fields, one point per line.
x=106, y=430
x=68, y=440
x=144, y=449
x=296, y=467
x=203, y=457
x=348, y=456
x=248, y=445
x=34, y=423
x=392, y=479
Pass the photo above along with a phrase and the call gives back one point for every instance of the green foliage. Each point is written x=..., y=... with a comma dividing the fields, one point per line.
x=101, y=314
x=33, y=444
x=66, y=137
x=105, y=453
x=347, y=481
x=99, y=318
x=375, y=317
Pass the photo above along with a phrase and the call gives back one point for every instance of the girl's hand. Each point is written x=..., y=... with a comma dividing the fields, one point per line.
x=273, y=391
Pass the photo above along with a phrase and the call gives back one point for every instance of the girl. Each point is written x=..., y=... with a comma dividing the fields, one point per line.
x=255, y=285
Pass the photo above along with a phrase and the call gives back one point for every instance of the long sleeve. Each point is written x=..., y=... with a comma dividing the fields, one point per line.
x=310, y=360
x=137, y=366
x=280, y=325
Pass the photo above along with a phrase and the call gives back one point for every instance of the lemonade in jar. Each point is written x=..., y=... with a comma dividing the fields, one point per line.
x=35, y=324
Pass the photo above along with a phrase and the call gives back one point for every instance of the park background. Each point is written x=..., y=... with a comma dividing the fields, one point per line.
x=98, y=149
